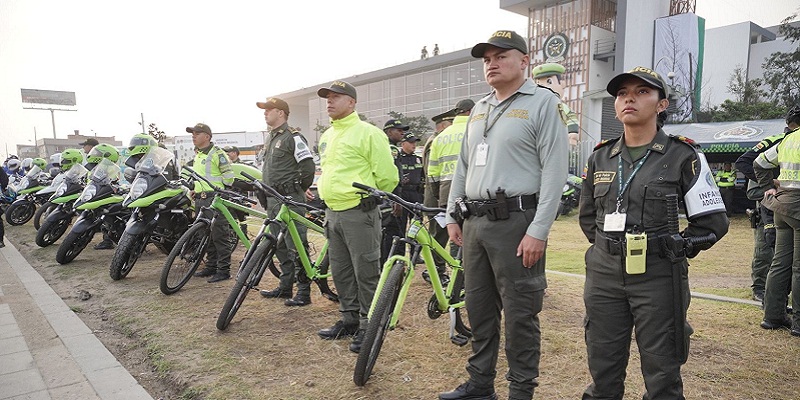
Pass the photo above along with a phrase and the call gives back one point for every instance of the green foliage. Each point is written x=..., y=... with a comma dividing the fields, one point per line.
x=782, y=70
x=746, y=91
x=741, y=111
x=420, y=125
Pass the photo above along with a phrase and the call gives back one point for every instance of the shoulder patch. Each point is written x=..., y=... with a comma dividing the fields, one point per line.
x=301, y=150
x=605, y=143
x=686, y=140
x=223, y=159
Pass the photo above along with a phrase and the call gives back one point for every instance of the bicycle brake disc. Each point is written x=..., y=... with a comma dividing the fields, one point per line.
x=433, y=308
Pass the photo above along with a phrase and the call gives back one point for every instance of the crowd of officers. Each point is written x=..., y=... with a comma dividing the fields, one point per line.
x=498, y=166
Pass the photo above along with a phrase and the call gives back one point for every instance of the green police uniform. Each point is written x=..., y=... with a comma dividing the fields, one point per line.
x=352, y=150
x=654, y=303
x=288, y=167
x=213, y=164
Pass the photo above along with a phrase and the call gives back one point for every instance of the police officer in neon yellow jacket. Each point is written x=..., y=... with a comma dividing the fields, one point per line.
x=352, y=150
x=212, y=163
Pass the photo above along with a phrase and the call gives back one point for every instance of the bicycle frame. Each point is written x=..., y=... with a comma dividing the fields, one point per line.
x=419, y=237
x=223, y=206
x=289, y=219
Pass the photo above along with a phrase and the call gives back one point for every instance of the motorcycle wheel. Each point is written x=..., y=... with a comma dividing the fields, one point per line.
x=19, y=213
x=73, y=245
x=128, y=251
x=42, y=213
x=51, y=230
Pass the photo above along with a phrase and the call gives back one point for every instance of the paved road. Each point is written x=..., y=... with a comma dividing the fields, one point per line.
x=46, y=351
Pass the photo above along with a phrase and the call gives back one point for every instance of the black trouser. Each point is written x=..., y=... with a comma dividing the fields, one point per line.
x=2, y=229
x=392, y=226
x=221, y=247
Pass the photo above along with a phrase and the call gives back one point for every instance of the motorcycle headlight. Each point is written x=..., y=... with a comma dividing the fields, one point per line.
x=137, y=188
x=88, y=193
x=62, y=188
x=566, y=187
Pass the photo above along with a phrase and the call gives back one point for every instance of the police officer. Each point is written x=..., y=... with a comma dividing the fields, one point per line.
x=442, y=165
x=623, y=209
x=352, y=150
x=411, y=179
x=726, y=181
x=551, y=76
x=783, y=200
x=441, y=121
x=392, y=218
x=212, y=163
x=761, y=218
x=289, y=168
x=233, y=154
x=509, y=177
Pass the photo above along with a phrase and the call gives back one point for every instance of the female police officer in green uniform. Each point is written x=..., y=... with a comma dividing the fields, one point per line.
x=636, y=269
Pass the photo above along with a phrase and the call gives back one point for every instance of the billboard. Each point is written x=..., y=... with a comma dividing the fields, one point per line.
x=48, y=97
x=678, y=57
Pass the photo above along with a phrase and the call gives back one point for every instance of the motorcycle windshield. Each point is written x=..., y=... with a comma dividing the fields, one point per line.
x=105, y=172
x=155, y=161
x=34, y=172
x=75, y=173
x=58, y=180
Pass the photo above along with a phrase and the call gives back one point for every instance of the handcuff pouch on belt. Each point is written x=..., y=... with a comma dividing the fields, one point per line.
x=461, y=211
x=368, y=203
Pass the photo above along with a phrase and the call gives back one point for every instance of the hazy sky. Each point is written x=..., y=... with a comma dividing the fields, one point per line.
x=181, y=62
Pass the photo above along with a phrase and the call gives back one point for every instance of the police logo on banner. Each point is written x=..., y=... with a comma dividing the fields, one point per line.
x=704, y=196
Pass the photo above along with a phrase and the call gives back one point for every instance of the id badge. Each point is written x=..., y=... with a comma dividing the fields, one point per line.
x=481, y=154
x=615, y=222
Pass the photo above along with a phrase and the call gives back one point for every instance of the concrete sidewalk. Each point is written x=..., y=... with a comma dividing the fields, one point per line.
x=46, y=351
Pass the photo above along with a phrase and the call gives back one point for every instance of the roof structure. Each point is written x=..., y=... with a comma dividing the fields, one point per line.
x=727, y=137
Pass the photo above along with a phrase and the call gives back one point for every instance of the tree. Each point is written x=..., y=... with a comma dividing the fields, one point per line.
x=741, y=111
x=419, y=125
x=782, y=70
x=158, y=134
x=746, y=91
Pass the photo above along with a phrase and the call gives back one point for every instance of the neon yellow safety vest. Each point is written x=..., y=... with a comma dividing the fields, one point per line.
x=214, y=165
x=445, y=149
x=785, y=155
x=725, y=179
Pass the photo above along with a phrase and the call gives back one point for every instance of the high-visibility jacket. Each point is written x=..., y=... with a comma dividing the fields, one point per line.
x=444, y=157
x=725, y=179
x=785, y=155
x=352, y=150
x=213, y=164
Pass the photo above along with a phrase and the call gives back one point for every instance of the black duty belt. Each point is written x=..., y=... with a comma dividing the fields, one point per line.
x=479, y=208
x=616, y=246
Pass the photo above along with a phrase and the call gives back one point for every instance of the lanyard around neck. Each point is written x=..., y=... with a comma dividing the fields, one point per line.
x=487, y=125
x=623, y=186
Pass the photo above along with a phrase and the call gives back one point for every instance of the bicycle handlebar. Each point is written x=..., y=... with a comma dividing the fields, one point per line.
x=229, y=193
x=414, y=207
x=270, y=191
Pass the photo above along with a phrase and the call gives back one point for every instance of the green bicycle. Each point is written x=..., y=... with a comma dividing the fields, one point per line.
x=188, y=252
x=395, y=281
x=264, y=246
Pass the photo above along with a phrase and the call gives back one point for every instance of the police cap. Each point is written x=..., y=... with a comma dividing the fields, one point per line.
x=340, y=87
x=650, y=77
x=503, y=39
x=547, y=69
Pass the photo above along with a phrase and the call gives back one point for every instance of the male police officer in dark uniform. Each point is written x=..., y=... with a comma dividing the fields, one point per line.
x=289, y=168
x=411, y=180
x=636, y=269
x=392, y=216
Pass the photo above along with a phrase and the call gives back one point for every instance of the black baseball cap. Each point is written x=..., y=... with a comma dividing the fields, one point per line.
x=409, y=137
x=341, y=87
x=649, y=76
x=463, y=106
x=395, y=123
x=503, y=39
x=445, y=116
x=200, y=127
x=89, y=141
x=228, y=149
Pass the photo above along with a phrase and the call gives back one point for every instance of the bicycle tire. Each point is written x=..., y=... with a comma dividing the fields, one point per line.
x=73, y=245
x=455, y=297
x=52, y=230
x=189, y=249
x=18, y=213
x=42, y=212
x=248, y=278
x=378, y=325
x=322, y=283
x=129, y=249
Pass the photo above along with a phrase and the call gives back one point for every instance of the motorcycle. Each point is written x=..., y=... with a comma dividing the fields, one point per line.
x=162, y=212
x=23, y=208
x=571, y=195
x=64, y=198
x=47, y=206
x=101, y=208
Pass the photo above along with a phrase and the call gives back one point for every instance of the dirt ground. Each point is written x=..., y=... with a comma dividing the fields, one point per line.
x=270, y=351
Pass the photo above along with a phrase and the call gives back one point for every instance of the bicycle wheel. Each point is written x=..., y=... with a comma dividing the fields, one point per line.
x=248, y=278
x=322, y=283
x=461, y=327
x=185, y=257
x=378, y=325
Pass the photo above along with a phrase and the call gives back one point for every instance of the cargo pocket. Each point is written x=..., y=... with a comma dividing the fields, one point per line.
x=533, y=285
x=655, y=204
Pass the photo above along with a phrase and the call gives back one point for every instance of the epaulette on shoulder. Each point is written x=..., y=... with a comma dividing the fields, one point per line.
x=606, y=142
x=686, y=140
